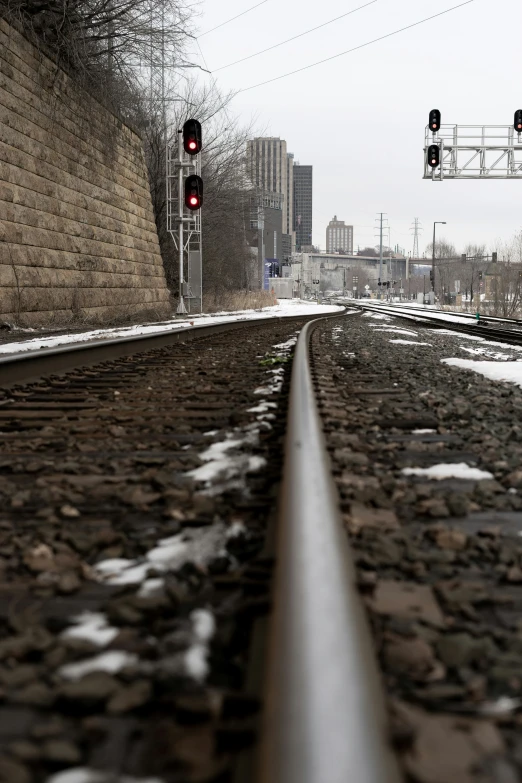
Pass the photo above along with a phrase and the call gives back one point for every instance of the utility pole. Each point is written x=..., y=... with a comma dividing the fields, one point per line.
x=442, y=223
x=381, y=218
x=416, y=228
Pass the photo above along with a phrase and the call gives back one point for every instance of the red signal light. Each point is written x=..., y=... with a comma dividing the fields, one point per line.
x=193, y=192
x=192, y=143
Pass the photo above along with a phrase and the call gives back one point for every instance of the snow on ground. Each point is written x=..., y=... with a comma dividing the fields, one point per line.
x=407, y=342
x=448, y=470
x=284, y=308
x=495, y=371
x=395, y=330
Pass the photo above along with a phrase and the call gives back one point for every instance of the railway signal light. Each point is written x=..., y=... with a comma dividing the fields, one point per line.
x=434, y=121
x=192, y=137
x=518, y=121
x=193, y=192
x=434, y=155
x=480, y=275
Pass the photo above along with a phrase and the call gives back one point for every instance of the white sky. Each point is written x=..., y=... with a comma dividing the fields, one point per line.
x=333, y=116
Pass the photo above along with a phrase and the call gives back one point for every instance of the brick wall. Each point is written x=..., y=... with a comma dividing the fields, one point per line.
x=77, y=232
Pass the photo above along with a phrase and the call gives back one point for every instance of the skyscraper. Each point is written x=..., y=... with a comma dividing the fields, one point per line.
x=303, y=179
x=270, y=169
x=339, y=237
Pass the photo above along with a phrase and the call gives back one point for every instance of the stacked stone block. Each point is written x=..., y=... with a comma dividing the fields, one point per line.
x=77, y=231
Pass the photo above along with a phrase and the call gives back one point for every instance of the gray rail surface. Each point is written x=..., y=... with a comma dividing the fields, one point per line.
x=324, y=715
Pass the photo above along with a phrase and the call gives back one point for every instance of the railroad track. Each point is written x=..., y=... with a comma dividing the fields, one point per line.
x=138, y=482
x=435, y=321
x=145, y=506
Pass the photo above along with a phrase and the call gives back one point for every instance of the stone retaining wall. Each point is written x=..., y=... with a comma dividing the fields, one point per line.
x=77, y=231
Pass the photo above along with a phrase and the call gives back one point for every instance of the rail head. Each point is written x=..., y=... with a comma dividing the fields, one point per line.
x=325, y=720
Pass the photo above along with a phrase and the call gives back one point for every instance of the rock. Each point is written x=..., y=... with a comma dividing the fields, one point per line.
x=462, y=649
x=25, y=750
x=412, y=657
x=91, y=690
x=13, y=771
x=69, y=582
x=364, y=516
x=61, y=751
x=514, y=574
x=514, y=479
x=446, y=749
x=457, y=504
x=408, y=600
x=69, y=512
x=51, y=728
x=451, y=539
x=37, y=694
x=129, y=698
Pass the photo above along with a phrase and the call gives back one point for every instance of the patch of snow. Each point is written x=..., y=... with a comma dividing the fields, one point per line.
x=407, y=342
x=510, y=372
x=204, y=624
x=422, y=432
x=486, y=352
x=255, y=463
x=86, y=775
x=449, y=470
x=110, y=662
x=263, y=407
x=93, y=627
x=196, y=657
x=151, y=587
x=395, y=330
x=502, y=706
x=237, y=528
x=378, y=316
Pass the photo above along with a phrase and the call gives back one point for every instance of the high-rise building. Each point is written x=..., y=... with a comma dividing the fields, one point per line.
x=339, y=237
x=303, y=179
x=270, y=169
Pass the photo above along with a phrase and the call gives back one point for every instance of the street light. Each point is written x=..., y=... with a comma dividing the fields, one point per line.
x=442, y=223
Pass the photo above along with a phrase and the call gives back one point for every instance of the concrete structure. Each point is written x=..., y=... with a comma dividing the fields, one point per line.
x=265, y=235
x=270, y=169
x=303, y=207
x=339, y=237
x=77, y=231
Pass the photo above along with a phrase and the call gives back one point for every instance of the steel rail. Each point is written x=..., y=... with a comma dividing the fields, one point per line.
x=26, y=366
x=469, y=316
x=324, y=718
x=507, y=336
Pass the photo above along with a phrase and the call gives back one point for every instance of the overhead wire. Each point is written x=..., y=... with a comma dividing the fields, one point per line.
x=232, y=19
x=295, y=37
x=356, y=48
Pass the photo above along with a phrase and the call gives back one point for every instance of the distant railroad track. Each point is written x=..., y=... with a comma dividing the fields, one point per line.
x=477, y=328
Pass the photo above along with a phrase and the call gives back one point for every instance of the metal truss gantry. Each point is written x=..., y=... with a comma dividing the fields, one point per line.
x=183, y=226
x=474, y=152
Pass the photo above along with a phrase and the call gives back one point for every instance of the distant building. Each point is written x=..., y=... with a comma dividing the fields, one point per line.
x=270, y=169
x=339, y=237
x=303, y=181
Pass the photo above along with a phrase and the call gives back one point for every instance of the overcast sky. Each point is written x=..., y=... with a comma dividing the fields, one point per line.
x=359, y=119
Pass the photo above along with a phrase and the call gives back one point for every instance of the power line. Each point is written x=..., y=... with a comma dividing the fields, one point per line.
x=231, y=20
x=295, y=37
x=355, y=48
